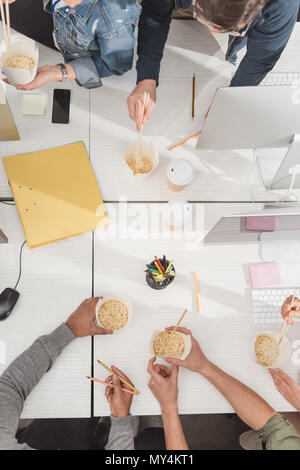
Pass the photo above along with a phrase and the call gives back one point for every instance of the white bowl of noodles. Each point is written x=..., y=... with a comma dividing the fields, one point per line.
x=168, y=343
x=20, y=62
x=113, y=312
x=268, y=352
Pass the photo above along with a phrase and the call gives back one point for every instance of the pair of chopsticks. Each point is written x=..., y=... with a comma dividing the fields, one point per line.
x=287, y=325
x=146, y=100
x=110, y=385
x=5, y=23
x=133, y=391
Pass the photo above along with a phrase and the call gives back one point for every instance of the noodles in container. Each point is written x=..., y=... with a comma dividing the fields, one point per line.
x=113, y=312
x=169, y=343
x=19, y=63
x=268, y=351
x=149, y=159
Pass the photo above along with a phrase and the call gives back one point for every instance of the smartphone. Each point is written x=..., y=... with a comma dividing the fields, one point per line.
x=61, y=106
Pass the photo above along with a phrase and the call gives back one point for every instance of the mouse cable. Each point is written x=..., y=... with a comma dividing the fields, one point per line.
x=20, y=264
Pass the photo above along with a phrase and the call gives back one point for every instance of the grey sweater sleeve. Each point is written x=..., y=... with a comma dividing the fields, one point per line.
x=21, y=376
x=122, y=433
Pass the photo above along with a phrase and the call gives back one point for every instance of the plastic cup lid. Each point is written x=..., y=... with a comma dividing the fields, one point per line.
x=177, y=212
x=180, y=172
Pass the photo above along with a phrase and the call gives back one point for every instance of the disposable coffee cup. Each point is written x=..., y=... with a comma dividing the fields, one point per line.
x=148, y=151
x=19, y=46
x=108, y=297
x=187, y=345
x=180, y=173
x=176, y=214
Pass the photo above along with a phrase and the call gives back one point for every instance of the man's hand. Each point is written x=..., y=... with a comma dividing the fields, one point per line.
x=135, y=102
x=287, y=387
x=81, y=322
x=119, y=401
x=164, y=385
x=196, y=360
x=289, y=313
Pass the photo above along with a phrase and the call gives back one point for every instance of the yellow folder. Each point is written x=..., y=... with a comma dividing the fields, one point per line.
x=56, y=193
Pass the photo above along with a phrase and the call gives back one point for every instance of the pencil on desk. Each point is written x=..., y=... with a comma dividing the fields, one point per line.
x=119, y=377
x=197, y=292
x=185, y=140
x=110, y=385
x=193, y=96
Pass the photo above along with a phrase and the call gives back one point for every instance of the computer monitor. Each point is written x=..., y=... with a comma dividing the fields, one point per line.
x=251, y=117
x=249, y=227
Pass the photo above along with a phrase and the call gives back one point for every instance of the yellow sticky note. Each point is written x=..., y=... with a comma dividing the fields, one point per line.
x=34, y=105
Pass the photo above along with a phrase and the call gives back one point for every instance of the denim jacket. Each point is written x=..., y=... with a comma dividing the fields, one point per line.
x=96, y=37
x=265, y=39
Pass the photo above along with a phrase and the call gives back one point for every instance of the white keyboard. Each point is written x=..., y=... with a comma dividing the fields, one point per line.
x=281, y=78
x=266, y=304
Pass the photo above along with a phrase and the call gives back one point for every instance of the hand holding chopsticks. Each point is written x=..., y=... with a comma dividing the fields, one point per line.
x=287, y=325
x=119, y=377
x=5, y=23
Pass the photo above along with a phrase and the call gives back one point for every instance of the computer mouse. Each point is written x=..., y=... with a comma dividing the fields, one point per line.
x=8, y=299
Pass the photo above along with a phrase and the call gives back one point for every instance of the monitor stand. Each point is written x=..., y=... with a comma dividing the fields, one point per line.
x=281, y=246
x=277, y=165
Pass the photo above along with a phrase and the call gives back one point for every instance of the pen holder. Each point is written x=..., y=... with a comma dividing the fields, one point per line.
x=150, y=278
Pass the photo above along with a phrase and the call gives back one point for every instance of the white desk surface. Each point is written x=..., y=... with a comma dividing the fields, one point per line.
x=55, y=279
x=225, y=327
x=220, y=176
x=38, y=132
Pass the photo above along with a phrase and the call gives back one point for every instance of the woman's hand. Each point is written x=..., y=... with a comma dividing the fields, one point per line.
x=289, y=313
x=163, y=384
x=119, y=401
x=287, y=387
x=45, y=74
x=135, y=102
x=196, y=360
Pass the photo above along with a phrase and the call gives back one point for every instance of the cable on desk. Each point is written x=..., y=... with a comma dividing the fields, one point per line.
x=20, y=264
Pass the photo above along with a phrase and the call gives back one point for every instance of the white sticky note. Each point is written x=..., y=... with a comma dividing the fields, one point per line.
x=34, y=105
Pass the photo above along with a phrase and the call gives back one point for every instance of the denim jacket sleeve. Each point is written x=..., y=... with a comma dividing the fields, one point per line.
x=266, y=41
x=86, y=71
x=154, y=27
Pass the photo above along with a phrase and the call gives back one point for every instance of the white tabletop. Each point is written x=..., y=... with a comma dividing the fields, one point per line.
x=220, y=175
x=38, y=132
x=55, y=279
x=225, y=326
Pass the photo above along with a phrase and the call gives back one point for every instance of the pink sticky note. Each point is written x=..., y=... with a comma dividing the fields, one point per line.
x=264, y=275
x=265, y=223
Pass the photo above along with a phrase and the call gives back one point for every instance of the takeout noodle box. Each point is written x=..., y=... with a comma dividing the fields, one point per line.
x=187, y=345
x=284, y=349
x=107, y=297
x=149, y=151
x=19, y=46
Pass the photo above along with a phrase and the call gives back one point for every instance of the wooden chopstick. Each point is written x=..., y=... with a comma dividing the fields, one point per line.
x=8, y=22
x=180, y=320
x=146, y=100
x=110, y=385
x=197, y=292
x=193, y=96
x=120, y=378
x=184, y=141
x=287, y=325
x=4, y=24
